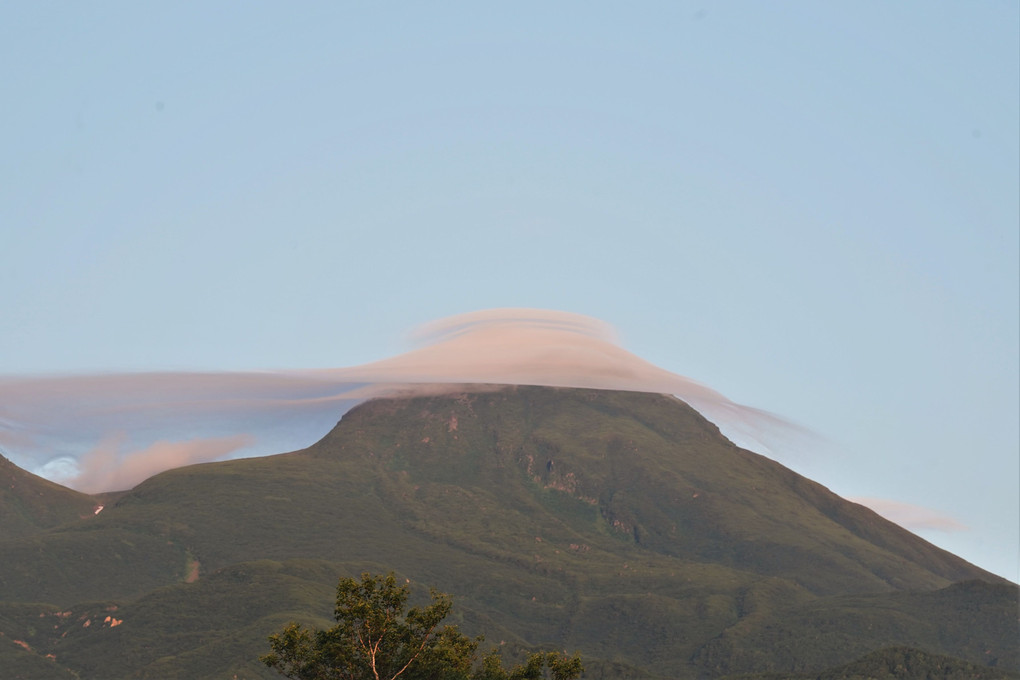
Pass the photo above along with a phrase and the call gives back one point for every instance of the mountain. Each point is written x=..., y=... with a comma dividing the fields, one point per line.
x=29, y=504
x=894, y=663
x=619, y=524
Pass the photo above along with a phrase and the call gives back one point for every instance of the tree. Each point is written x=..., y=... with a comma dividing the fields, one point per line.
x=561, y=667
x=374, y=639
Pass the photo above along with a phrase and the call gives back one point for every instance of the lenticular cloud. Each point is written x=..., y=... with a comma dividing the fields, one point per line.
x=157, y=416
x=523, y=347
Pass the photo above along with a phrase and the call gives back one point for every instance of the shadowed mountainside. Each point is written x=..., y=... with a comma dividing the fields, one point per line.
x=894, y=663
x=620, y=524
x=29, y=504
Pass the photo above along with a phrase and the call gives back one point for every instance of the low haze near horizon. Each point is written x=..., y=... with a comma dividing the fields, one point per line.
x=812, y=208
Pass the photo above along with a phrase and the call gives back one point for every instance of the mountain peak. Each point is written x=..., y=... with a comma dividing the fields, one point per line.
x=620, y=524
x=653, y=470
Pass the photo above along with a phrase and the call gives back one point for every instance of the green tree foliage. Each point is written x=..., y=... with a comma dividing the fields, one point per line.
x=374, y=639
x=561, y=667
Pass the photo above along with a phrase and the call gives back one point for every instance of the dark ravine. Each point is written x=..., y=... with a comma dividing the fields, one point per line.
x=619, y=524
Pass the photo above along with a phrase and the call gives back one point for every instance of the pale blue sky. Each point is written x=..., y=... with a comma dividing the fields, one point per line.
x=811, y=207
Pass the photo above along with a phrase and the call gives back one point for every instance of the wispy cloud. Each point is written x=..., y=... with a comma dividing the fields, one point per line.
x=502, y=346
x=107, y=467
x=909, y=516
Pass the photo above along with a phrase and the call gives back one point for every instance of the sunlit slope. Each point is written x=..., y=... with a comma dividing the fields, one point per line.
x=645, y=470
x=619, y=524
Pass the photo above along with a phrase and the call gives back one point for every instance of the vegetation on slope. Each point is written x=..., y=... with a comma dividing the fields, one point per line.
x=896, y=663
x=377, y=636
x=619, y=524
x=30, y=504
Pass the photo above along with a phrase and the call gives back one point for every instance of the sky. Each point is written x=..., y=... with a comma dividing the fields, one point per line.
x=811, y=208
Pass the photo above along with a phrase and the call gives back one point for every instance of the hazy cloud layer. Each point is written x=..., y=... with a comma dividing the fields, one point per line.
x=913, y=517
x=50, y=418
x=108, y=468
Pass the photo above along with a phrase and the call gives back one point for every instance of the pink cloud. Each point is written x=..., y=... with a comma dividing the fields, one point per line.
x=105, y=468
x=492, y=347
x=913, y=517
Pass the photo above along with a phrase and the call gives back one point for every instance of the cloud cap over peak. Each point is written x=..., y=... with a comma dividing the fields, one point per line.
x=43, y=419
x=525, y=347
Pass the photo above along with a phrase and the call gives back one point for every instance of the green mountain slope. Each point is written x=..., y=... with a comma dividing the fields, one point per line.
x=645, y=469
x=895, y=663
x=619, y=524
x=965, y=620
x=29, y=504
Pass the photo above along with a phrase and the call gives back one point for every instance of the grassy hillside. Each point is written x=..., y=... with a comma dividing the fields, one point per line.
x=29, y=504
x=970, y=620
x=622, y=525
x=896, y=663
x=645, y=469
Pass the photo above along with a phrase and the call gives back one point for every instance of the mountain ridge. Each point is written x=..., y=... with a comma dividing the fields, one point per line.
x=693, y=433
x=30, y=504
x=620, y=524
